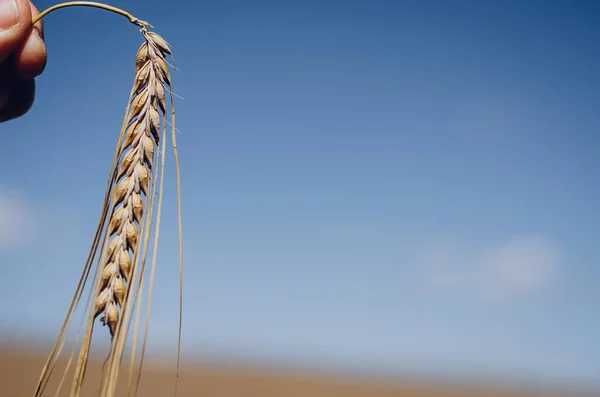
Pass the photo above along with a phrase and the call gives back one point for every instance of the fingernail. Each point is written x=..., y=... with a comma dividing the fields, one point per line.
x=9, y=14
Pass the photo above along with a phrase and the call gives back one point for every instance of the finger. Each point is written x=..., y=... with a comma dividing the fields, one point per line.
x=19, y=98
x=15, y=25
x=30, y=58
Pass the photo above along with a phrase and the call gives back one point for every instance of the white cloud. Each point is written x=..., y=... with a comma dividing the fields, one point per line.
x=16, y=220
x=520, y=266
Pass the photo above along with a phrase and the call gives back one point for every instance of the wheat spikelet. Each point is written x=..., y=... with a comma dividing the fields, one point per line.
x=122, y=236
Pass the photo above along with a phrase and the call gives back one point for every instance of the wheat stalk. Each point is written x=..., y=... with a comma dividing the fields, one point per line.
x=127, y=215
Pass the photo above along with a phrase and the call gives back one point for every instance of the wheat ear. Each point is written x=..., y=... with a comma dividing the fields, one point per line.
x=133, y=176
x=127, y=214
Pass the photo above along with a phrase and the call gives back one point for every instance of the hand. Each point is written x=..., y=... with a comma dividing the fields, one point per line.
x=22, y=57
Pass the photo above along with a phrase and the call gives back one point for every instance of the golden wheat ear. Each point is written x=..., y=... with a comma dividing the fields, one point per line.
x=123, y=233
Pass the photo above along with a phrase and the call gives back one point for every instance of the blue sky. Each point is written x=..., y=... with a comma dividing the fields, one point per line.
x=384, y=185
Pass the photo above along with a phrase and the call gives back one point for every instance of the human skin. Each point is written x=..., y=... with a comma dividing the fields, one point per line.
x=22, y=57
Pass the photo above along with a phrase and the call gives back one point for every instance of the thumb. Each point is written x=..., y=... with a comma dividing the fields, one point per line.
x=15, y=25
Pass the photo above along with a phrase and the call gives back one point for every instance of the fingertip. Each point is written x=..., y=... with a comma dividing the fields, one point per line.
x=30, y=60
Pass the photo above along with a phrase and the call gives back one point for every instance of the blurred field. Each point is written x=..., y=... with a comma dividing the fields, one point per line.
x=20, y=368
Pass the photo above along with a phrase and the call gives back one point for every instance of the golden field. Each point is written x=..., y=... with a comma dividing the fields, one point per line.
x=20, y=368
